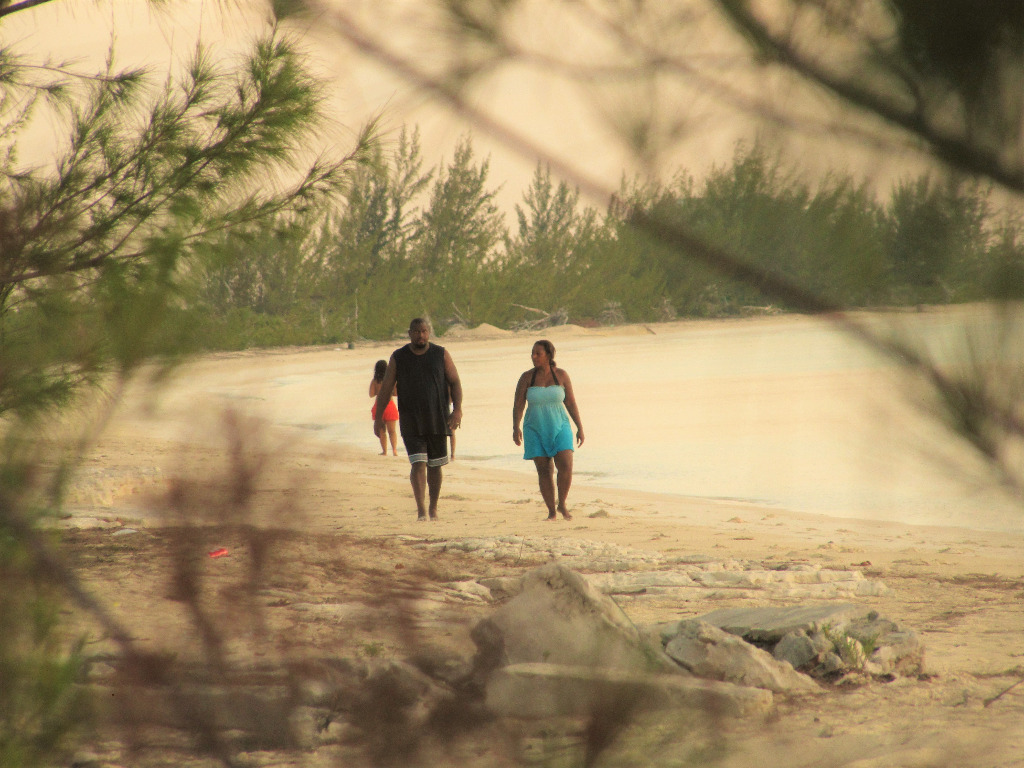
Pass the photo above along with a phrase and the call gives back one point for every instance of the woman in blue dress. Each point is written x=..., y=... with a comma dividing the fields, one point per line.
x=545, y=392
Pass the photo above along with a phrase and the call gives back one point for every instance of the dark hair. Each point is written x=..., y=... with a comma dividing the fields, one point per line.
x=379, y=368
x=550, y=349
x=419, y=321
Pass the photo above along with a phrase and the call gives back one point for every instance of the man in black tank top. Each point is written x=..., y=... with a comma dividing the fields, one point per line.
x=426, y=377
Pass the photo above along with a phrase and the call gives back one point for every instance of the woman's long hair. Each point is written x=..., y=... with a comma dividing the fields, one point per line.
x=379, y=369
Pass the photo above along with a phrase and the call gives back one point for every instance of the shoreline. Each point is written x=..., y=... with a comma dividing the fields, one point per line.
x=782, y=411
x=353, y=518
x=235, y=447
x=289, y=399
x=344, y=489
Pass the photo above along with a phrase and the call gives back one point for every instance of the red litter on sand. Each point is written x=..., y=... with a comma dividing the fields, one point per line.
x=219, y=552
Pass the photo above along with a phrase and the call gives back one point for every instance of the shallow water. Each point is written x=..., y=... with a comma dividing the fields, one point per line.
x=783, y=411
x=791, y=413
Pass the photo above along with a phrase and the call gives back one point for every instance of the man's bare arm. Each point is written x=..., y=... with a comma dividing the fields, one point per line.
x=454, y=389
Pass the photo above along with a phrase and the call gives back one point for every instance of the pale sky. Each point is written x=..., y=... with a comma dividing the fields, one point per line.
x=574, y=122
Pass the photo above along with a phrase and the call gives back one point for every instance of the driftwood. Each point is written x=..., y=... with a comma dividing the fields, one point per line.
x=531, y=309
x=458, y=318
x=547, y=319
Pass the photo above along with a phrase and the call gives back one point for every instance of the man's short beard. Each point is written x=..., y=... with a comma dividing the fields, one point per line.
x=420, y=344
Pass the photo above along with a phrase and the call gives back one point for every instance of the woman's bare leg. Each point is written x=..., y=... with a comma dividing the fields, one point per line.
x=393, y=434
x=563, y=463
x=546, y=478
x=384, y=442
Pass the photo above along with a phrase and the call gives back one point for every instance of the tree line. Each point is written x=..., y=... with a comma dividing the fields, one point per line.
x=405, y=240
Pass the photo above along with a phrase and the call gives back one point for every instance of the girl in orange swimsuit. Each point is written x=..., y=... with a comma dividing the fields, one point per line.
x=390, y=411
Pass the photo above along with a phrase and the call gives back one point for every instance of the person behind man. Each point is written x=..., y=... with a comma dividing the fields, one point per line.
x=425, y=376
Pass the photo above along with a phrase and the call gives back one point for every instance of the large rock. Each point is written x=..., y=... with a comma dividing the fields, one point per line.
x=632, y=582
x=893, y=651
x=709, y=652
x=554, y=690
x=559, y=618
x=503, y=587
x=767, y=626
x=801, y=650
x=811, y=638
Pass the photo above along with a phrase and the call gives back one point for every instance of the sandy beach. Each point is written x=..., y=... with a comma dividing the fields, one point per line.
x=294, y=413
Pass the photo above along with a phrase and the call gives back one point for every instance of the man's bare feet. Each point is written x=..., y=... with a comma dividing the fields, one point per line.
x=421, y=518
x=565, y=513
x=383, y=453
x=552, y=516
x=433, y=515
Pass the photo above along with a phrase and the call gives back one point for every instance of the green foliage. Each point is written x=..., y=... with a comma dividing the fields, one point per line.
x=266, y=267
x=103, y=241
x=850, y=649
x=932, y=243
x=1004, y=281
x=367, y=246
x=455, y=239
x=372, y=650
x=936, y=236
x=556, y=244
x=103, y=255
x=408, y=241
x=824, y=238
x=41, y=709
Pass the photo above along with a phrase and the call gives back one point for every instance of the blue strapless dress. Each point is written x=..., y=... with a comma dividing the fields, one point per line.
x=546, y=426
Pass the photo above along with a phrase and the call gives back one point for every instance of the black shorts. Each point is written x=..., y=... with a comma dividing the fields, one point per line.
x=433, y=449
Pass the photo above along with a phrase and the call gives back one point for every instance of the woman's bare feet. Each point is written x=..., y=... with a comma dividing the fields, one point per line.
x=565, y=513
x=552, y=516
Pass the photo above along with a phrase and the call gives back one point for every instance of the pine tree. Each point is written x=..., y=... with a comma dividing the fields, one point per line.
x=96, y=247
x=97, y=250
